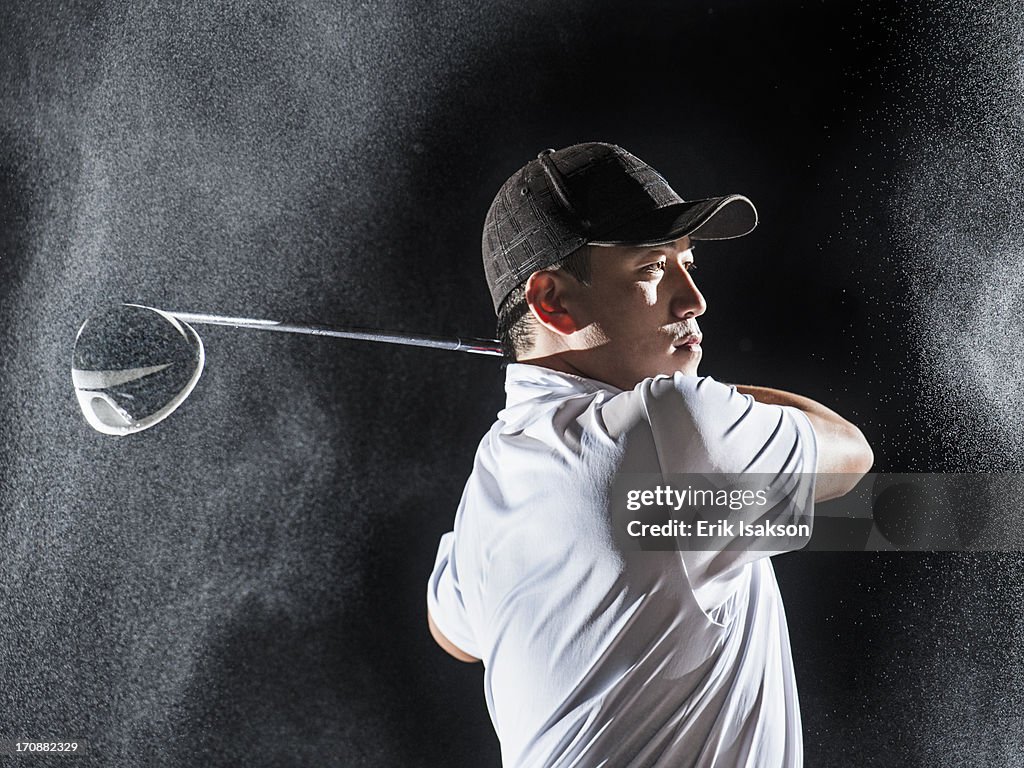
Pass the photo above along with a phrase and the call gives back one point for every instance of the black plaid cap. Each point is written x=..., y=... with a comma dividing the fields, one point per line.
x=597, y=194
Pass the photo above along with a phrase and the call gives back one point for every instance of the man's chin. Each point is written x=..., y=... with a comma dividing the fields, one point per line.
x=690, y=362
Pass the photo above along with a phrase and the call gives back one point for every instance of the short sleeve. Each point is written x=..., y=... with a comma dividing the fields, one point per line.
x=444, y=599
x=701, y=426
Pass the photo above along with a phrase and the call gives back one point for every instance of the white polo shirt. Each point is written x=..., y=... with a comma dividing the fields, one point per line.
x=599, y=656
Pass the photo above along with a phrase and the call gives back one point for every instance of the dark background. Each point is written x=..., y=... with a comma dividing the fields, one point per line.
x=244, y=583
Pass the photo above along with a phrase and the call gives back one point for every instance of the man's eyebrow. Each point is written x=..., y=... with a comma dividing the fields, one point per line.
x=663, y=249
x=646, y=253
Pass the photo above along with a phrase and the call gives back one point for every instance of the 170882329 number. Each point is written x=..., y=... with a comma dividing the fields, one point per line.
x=47, y=746
x=42, y=746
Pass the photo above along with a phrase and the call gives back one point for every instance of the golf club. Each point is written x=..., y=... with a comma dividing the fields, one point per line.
x=133, y=365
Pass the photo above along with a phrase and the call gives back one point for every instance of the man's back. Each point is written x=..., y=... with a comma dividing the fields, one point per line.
x=596, y=654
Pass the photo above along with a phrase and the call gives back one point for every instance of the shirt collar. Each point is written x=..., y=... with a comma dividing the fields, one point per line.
x=524, y=382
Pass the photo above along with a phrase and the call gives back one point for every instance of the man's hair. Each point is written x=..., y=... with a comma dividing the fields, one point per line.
x=516, y=322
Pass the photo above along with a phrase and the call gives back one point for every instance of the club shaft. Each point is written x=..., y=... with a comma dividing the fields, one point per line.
x=457, y=344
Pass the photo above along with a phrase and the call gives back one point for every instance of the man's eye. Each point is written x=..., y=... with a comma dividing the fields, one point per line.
x=689, y=266
x=658, y=266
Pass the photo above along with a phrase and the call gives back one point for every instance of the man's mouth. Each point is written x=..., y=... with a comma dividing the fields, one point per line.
x=690, y=340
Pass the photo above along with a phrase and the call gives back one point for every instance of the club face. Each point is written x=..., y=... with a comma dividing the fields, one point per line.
x=133, y=366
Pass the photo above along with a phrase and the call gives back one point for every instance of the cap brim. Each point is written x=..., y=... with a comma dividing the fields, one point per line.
x=716, y=218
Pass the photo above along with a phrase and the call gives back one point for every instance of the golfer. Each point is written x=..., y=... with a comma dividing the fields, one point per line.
x=596, y=653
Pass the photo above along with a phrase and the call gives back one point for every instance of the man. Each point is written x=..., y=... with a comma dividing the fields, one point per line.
x=597, y=654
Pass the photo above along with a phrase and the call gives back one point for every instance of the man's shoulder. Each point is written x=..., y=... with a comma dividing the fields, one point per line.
x=685, y=386
x=535, y=392
x=523, y=380
x=681, y=394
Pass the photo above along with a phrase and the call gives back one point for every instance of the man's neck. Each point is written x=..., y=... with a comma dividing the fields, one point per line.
x=556, y=362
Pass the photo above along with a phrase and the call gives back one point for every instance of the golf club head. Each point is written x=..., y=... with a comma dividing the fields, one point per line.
x=133, y=366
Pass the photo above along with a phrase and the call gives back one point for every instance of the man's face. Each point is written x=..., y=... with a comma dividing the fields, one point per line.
x=638, y=317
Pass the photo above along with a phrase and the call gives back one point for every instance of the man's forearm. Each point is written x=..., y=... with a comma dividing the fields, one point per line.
x=844, y=455
x=779, y=397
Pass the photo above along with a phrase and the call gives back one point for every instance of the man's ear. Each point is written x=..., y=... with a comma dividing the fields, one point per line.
x=546, y=292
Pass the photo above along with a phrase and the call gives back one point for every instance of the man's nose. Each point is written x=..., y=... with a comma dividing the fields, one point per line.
x=687, y=300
